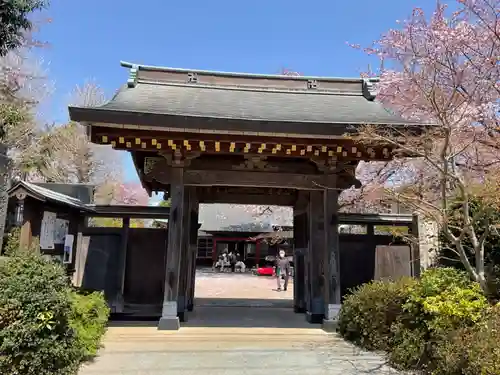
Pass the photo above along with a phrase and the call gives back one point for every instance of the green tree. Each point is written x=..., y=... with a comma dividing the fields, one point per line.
x=15, y=30
x=486, y=224
x=15, y=22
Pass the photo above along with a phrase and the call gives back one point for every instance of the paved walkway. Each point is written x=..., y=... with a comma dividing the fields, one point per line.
x=232, y=337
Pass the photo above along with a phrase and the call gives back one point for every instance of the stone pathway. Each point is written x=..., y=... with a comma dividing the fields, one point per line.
x=232, y=338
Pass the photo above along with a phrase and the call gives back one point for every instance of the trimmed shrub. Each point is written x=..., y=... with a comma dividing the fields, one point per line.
x=36, y=336
x=89, y=317
x=368, y=313
x=441, y=303
x=472, y=350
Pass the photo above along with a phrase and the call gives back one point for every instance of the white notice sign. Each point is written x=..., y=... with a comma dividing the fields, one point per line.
x=47, y=230
x=60, y=231
x=68, y=248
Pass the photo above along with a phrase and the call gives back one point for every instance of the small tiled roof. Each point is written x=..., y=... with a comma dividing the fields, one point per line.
x=244, y=97
x=242, y=218
x=42, y=193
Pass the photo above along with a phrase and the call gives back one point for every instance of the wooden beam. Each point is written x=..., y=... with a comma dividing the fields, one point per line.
x=125, y=211
x=245, y=179
x=98, y=132
x=268, y=200
x=139, y=140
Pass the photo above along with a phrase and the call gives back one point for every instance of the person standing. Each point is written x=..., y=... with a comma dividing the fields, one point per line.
x=282, y=269
x=232, y=261
x=239, y=263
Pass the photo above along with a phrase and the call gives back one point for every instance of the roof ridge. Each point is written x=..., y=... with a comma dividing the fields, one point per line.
x=135, y=67
x=254, y=88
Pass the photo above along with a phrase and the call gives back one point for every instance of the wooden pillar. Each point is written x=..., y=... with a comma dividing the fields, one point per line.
x=193, y=251
x=315, y=303
x=118, y=303
x=169, y=319
x=184, y=271
x=192, y=248
x=300, y=250
x=416, y=263
x=331, y=263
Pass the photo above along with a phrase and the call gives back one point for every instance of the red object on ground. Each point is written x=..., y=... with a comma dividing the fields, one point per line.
x=265, y=271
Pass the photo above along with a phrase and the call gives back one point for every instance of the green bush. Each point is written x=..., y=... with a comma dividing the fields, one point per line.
x=89, y=318
x=12, y=242
x=36, y=336
x=45, y=326
x=440, y=304
x=368, y=313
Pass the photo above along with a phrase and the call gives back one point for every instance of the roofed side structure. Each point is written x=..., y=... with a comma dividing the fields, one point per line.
x=43, y=194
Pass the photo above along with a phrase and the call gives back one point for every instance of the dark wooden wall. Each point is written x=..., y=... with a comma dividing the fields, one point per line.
x=102, y=261
x=357, y=258
x=145, y=263
x=145, y=266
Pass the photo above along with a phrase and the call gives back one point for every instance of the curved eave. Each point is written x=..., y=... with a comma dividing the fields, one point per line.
x=198, y=124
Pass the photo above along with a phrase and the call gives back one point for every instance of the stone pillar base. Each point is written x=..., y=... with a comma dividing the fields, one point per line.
x=169, y=320
x=314, y=318
x=168, y=323
x=330, y=325
x=332, y=311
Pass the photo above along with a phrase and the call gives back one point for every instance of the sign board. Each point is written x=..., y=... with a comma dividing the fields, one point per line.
x=68, y=248
x=60, y=231
x=47, y=230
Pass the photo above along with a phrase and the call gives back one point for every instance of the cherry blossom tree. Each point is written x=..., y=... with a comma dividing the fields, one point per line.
x=443, y=70
x=118, y=193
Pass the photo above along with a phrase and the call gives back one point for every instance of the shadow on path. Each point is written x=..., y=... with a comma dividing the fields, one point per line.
x=228, y=312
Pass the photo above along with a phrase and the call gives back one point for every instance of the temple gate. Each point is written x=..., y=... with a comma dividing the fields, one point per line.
x=215, y=137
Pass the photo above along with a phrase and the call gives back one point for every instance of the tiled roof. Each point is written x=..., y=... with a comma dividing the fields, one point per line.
x=243, y=218
x=250, y=104
x=47, y=194
x=243, y=96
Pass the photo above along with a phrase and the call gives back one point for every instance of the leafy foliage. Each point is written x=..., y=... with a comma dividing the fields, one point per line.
x=36, y=336
x=89, y=317
x=443, y=301
x=14, y=22
x=45, y=327
x=369, y=312
x=472, y=350
x=418, y=322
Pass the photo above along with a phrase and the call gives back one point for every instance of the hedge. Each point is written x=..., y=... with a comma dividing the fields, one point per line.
x=440, y=324
x=45, y=326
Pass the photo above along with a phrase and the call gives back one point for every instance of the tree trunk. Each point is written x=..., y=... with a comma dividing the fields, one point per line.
x=4, y=187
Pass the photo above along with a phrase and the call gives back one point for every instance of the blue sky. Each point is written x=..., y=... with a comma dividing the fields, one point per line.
x=87, y=39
